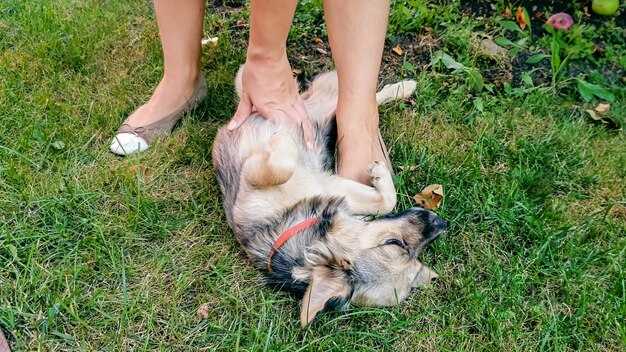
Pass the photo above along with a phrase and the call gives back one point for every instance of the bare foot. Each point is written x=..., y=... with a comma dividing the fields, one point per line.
x=358, y=142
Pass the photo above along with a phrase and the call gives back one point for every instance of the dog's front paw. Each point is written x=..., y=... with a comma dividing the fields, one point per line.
x=383, y=183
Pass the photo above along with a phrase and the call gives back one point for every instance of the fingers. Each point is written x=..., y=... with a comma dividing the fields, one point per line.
x=244, y=109
x=294, y=113
x=307, y=131
x=307, y=126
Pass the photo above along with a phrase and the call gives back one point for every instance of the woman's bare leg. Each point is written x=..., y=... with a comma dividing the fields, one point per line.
x=180, y=29
x=356, y=31
x=267, y=80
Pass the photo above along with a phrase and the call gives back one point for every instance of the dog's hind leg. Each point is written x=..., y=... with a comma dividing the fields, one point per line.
x=378, y=199
x=273, y=165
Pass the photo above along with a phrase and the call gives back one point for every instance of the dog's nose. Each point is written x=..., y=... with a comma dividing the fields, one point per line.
x=438, y=223
x=434, y=224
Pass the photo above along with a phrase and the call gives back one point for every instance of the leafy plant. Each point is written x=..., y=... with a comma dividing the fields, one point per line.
x=514, y=46
x=414, y=15
x=474, y=77
x=564, y=46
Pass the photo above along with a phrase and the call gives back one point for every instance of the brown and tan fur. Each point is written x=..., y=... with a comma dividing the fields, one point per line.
x=271, y=182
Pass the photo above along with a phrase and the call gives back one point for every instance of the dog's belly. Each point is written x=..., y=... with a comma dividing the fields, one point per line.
x=272, y=201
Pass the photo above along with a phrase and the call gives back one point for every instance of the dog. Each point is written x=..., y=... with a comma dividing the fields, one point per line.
x=302, y=226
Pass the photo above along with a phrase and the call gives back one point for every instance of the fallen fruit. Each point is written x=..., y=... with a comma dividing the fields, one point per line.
x=605, y=7
x=560, y=20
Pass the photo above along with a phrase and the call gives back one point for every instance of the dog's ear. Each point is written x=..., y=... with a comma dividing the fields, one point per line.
x=425, y=277
x=328, y=289
x=239, y=82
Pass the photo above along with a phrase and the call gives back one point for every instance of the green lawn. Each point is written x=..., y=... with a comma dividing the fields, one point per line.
x=103, y=253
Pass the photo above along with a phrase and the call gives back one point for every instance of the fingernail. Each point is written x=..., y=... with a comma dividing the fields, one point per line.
x=231, y=125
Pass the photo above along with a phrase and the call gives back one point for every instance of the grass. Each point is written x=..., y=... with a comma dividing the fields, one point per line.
x=103, y=253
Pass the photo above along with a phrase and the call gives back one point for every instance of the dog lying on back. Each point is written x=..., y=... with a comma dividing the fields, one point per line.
x=299, y=223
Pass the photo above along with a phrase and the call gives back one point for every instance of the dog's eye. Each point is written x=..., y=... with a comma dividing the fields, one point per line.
x=395, y=242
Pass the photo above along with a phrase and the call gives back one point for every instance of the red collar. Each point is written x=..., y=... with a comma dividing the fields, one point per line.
x=292, y=231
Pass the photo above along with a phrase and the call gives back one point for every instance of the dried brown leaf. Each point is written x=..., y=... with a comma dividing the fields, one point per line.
x=317, y=41
x=594, y=115
x=430, y=197
x=519, y=15
x=602, y=108
x=490, y=47
x=212, y=40
x=398, y=50
x=507, y=12
x=203, y=311
x=321, y=51
x=241, y=24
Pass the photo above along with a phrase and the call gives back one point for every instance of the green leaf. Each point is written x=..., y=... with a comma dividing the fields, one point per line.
x=478, y=104
x=528, y=80
x=409, y=67
x=502, y=41
x=513, y=52
x=588, y=90
x=507, y=87
x=510, y=25
x=446, y=59
x=13, y=251
x=475, y=79
x=536, y=58
x=522, y=42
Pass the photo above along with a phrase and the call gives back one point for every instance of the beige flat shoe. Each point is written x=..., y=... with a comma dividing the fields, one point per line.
x=129, y=139
x=383, y=147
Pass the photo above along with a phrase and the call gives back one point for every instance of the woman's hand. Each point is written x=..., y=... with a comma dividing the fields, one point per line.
x=269, y=88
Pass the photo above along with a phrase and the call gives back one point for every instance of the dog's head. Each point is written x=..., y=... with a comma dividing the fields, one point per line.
x=368, y=263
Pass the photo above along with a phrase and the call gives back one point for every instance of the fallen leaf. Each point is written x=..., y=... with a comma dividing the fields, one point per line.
x=507, y=12
x=317, y=41
x=597, y=48
x=212, y=40
x=519, y=15
x=617, y=211
x=602, y=108
x=490, y=47
x=593, y=115
x=321, y=51
x=240, y=24
x=58, y=145
x=398, y=50
x=538, y=14
x=430, y=197
x=203, y=311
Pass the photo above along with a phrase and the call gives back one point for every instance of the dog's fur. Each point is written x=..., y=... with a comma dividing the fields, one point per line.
x=271, y=182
